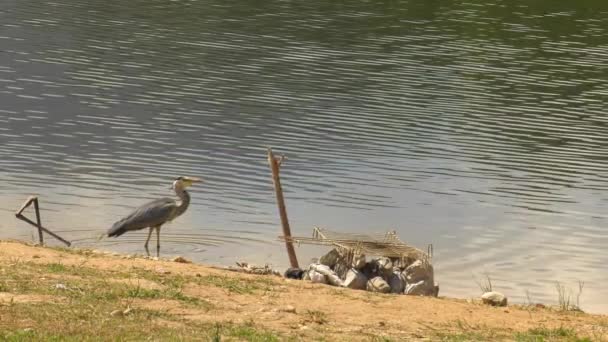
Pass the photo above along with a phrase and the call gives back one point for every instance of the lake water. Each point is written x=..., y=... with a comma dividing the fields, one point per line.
x=478, y=127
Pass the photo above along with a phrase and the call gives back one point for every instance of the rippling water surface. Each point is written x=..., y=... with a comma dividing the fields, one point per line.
x=478, y=127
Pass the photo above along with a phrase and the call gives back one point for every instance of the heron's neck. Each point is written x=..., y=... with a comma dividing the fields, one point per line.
x=184, y=201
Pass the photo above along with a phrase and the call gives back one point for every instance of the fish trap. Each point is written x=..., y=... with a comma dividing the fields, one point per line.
x=350, y=245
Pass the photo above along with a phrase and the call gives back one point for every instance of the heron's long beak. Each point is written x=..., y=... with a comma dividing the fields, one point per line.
x=191, y=180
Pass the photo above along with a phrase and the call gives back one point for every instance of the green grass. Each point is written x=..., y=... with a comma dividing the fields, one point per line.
x=315, y=316
x=542, y=334
x=461, y=330
x=56, y=268
x=481, y=335
x=249, y=333
x=86, y=284
x=81, y=322
x=83, y=303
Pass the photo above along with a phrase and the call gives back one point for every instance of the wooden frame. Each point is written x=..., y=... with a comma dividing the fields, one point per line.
x=38, y=223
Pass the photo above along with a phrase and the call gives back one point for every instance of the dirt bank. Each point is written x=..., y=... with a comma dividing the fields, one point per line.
x=78, y=294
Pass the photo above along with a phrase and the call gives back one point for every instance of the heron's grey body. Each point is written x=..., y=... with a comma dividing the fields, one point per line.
x=156, y=213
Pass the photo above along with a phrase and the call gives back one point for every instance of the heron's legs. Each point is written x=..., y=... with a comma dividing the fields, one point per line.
x=148, y=240
x=158, y=242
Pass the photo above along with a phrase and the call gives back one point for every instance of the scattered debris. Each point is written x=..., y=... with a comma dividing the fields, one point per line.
x=162, y=271
x=60, y=286
x=289, y=309
x=41, y=229
x=253, y=269
x=181, y=260
x=330, y=276
x=116, y=313
x=494, y=298
x=294, y=273
x=315, y=277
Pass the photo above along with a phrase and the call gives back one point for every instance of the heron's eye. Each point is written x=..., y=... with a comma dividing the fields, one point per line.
x=179, y=178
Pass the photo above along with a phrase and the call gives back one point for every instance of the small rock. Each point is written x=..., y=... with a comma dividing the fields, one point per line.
x=198, y=275
x=330, y=276
x=494, y=298
x=421, y=288
x=35, y=256
x=116, y=313
x=378, y=284
x=370, y=269
x=127, y=311
x=540, y=306
x=385, y=267
x=162, y=271
x=355, y=280
x=418, y=271
x=316, y=277
x=397, y=282
x=181, y=260
x=359, y=261
x=129, y=256
x=341, y=269
x=289, y=309
x=155, y=258
x=60, y=287
x=28, y=330
x=331, y=258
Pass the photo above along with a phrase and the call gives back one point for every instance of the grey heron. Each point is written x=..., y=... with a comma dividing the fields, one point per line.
x=156, y=213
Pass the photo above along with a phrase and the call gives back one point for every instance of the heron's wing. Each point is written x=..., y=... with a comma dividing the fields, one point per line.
x=150, y=214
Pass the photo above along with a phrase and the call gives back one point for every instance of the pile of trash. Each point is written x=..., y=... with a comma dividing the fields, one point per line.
x=385, y=275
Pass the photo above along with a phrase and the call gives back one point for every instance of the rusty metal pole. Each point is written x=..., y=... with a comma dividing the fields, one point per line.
x=275, y=164
x=38, y=221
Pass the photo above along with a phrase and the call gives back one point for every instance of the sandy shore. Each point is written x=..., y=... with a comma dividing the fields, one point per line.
x=70, y=294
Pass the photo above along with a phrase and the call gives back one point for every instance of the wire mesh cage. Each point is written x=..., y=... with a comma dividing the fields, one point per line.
x=385, y=244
